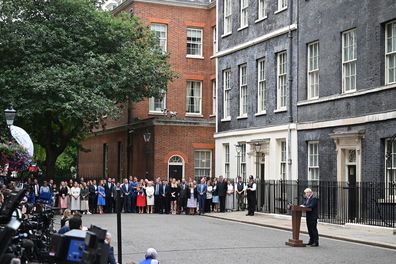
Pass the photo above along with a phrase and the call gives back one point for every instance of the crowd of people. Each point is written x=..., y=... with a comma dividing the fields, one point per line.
x=141, y=196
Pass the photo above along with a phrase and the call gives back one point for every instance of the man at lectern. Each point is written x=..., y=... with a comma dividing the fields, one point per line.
x=312, y=217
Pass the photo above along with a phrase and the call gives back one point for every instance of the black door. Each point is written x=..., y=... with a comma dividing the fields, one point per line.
x=352, y=192
x=175, y=171
x=262, y=188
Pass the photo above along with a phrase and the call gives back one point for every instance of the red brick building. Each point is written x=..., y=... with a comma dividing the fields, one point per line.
x=180, y=125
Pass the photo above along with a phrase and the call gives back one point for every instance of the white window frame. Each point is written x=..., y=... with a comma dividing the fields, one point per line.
x=283, y=159
x=227, y=17
x=313, y=71
x=281, y=84
x=282, y=5
x=226, y=160
x=162, y=39
x=243, y=90
x=197, y=98
x=261, y=10
x=227, y=94
x=390, y=53
x=349, y=61
x=152, y=103
x=244, y=4
x=214, y=104
x=390, y=172
x=202, y=163
x=261, y=87
x=242, y=172
x=313, y=161
x=198, y=42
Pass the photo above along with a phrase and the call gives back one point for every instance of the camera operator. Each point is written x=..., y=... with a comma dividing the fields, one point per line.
x=74, y=222
x=110, y=257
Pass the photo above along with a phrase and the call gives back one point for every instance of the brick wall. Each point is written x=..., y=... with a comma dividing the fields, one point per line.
x=178, y=19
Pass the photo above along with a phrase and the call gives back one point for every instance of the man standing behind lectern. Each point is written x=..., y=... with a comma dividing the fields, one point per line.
x=312, y=217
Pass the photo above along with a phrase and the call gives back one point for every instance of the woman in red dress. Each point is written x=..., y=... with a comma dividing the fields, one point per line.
x=141, y=197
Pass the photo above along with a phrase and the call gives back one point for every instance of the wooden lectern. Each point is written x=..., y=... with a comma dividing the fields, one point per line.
x=296, y=221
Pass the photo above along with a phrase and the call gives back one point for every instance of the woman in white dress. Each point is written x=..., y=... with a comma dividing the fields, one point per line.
x=75, y=192
x=150, y=197
x=229, y=204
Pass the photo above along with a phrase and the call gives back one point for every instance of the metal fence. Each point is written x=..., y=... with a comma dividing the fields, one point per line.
x=369, y=203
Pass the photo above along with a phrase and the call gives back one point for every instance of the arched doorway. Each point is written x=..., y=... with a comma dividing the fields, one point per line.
x=175, y=167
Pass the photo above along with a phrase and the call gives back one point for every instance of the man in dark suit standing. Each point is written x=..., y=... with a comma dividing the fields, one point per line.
x=202, y=188
x=312, y=217
x=222, y=190
x=165, y=201
x=126, y=193
x=157, y=198
x=109, y=195
x=182, y=203
x=134, y=184
x=93, y=197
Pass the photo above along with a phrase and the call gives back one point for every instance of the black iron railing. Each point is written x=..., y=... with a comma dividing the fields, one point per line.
x=369, y=203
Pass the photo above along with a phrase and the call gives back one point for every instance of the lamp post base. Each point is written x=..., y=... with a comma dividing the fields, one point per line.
x=295, y=243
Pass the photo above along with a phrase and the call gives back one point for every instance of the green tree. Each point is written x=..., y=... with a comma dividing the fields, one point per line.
x=64, y=65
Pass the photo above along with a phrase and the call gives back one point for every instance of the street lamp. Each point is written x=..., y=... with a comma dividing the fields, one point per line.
x=257, y=147
x=146, y=137
x=10, y=114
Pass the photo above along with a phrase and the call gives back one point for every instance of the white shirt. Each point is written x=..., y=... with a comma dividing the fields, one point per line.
x=253, y=188
x=75, y=191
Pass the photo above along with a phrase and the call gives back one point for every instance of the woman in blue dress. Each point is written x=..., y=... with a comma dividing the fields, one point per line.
x=101, y=197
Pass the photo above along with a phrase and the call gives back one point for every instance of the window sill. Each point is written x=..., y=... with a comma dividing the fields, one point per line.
x=280, y=10
x=212, y=115
x=260, y=19
x=281, y=110
x=242, y=28
x=226, y=34
x=242, y=117
x=349, y=92
x=193, y=115
x=156, y=113
x=227, y=119
x=194, y=57
x=313, y=98
x=260, y=113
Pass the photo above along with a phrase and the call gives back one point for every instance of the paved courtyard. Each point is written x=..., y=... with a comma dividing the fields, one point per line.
x=197, y=239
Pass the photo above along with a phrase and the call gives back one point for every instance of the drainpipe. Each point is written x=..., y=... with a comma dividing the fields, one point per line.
x=290, y=86
x=129, y=135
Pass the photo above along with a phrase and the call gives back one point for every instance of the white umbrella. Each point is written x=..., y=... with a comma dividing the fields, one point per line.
x=23, y=139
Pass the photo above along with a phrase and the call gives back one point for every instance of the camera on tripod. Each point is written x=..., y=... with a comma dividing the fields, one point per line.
x=79, y=246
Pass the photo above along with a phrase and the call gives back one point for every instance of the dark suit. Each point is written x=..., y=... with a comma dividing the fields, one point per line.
x=312, y=219
x=165, y=201
x=109, y=191
x=182, y=204
x=157, y=198
x=222, y=191
x=93, y=198
x=202, y=188
x=126, y=190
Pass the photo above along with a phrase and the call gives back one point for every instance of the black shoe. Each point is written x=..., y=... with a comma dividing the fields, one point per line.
x=309, y=243
x=315, y=245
